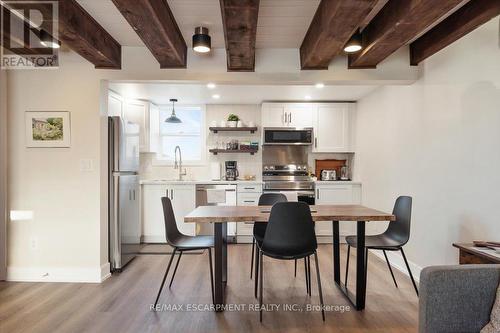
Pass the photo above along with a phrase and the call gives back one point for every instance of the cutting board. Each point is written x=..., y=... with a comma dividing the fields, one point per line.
x=328, y=165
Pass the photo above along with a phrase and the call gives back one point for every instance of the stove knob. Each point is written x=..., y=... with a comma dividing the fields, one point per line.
x=271, y=167
x=299, y=168
x=266, y=168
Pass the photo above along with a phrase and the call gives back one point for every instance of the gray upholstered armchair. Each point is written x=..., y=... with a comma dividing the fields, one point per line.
x=457, y=298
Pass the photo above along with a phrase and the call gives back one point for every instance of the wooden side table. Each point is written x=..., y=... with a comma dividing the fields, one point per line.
x=469, y=255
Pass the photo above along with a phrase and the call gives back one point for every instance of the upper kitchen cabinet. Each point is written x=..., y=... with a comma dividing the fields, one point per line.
x=332, y=122
x=287, y=114
x=333, y=127
x=142, y=112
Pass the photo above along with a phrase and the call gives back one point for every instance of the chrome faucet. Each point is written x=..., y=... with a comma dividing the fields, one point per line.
x=178, y=165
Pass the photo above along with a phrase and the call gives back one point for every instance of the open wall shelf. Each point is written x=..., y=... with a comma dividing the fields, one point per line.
x=230, y=151
x=233, y=129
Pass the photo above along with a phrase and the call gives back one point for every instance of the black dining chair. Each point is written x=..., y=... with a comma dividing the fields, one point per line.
x=289, y=235
x=259, y=229
x=183, y=243
x=393, y=239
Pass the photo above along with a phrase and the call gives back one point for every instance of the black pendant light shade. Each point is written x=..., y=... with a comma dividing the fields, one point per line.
x=202, y=42
x=48, y=41
x=354, y=44
x=173, y=118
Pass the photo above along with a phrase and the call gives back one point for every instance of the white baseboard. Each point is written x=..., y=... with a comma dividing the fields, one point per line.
x=59, y=274
x=397, y=261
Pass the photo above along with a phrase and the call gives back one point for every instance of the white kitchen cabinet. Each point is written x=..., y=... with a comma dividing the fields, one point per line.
x=287, y=114
x=183, y=202
x=337, y=194
x=273, y=115
x=332, y=127
x=115, y=105
x=299, y=114
x=146, y=115
x=247, y=195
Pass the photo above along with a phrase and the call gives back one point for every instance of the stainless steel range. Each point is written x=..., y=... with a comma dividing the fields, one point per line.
x=285, y=170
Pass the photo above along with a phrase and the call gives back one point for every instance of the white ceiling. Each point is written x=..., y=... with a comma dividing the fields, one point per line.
x=195, y=93
x=281, y=23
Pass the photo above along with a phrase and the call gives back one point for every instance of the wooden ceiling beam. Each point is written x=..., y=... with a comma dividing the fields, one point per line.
x=454, y=27
x=239, y=18
x=331, y=28
x=155, y=24
x=84, y=35
x=397, y=24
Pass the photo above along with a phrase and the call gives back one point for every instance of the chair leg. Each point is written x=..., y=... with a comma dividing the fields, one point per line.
x=257, y=251
x=253, y=250
x=320, y=291
x=390, y=269
x=306, y=275
x=165, y=276
x=175, y=269
x=347, y=265
x=295, y=275
x=211, y=274
x=309, y=272
x=261, y=283
x=409, y=271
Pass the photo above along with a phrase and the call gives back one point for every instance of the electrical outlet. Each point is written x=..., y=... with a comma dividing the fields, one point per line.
x=34, y=243
x=86, y=165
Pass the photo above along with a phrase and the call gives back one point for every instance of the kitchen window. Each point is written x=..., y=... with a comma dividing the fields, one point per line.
x=189, y=135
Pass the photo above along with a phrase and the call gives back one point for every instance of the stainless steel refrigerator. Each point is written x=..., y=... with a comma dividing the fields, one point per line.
x=124, y=204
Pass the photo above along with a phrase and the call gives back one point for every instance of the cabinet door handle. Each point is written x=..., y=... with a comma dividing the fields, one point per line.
x=172, y=194
x=290, y=116
x=129, y=195
x=167, y=195
x=250, y=201
x=315, y=142
x=249, y=188
x=284, y=117
x=133, y=194
x=317, y=193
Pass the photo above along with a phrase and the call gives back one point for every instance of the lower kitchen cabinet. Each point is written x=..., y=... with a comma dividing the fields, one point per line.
x=337, y=194
x=247, y=196
x=183, y=201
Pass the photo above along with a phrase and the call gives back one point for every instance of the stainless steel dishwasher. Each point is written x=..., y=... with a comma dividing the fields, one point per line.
x=216, y=195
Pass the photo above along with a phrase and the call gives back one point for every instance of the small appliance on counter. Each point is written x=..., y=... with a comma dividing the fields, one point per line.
x=231, y=170
x=344, y=173
x=328, y=175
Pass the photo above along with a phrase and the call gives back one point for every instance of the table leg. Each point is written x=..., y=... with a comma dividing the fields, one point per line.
x=336, y=251
x=360, y=267
x=220, y=242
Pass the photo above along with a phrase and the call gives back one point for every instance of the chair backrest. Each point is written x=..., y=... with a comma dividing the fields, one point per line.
x=172, y=233
x=399, y=230
x=269, y=199
x=290, y=230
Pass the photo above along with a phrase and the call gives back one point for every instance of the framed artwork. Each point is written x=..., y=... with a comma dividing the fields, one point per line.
x=48, y=129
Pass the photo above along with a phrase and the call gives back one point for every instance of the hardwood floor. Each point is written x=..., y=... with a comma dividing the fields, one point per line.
x=122, y=303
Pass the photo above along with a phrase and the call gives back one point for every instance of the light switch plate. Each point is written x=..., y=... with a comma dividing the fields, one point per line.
x=86, y=165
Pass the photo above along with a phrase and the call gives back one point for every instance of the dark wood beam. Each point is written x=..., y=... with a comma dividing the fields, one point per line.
x=395, y=25
x=88, y=38
x=239, y=18
x=77, y=29
x=155, y=24
x=331, y=28
x=454, y=27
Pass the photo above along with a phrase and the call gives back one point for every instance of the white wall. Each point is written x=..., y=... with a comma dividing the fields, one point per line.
x=438, y=141
x=3, y=174
x=247, y=164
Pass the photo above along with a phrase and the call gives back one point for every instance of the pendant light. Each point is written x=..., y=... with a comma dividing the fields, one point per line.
x=173, y=118
x=48, y=41
x=354, y=44
x=202, y=42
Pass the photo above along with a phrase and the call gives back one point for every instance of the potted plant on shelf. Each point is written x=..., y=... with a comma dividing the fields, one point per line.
x=232, y=120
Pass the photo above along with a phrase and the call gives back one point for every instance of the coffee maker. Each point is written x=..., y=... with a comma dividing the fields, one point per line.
x=232, y=170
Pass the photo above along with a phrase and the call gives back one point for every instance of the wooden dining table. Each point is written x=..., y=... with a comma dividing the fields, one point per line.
x=221, y=215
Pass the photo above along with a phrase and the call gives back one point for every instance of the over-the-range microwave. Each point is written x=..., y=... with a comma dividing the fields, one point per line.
x=288, y=136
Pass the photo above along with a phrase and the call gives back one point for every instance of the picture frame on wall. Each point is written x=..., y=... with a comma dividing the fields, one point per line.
x=48, y=129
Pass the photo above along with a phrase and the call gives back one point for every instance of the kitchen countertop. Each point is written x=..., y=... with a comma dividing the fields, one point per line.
x=187, y=182
x=337, y=182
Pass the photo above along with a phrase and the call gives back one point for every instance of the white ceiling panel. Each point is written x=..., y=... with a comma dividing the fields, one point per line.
x=196, y=93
